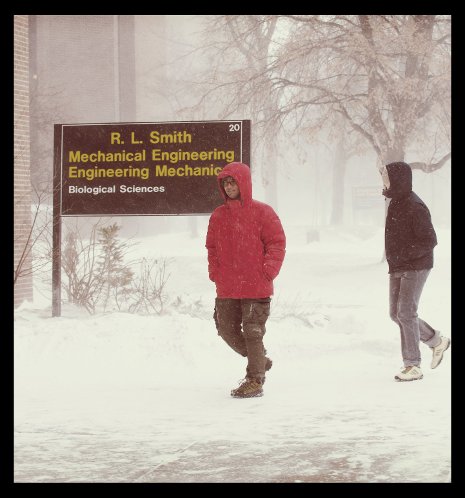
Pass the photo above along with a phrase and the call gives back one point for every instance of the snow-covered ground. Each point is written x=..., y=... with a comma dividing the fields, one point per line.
x=118, y=397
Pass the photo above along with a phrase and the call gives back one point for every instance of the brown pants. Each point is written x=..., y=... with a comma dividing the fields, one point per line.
x=241, y=323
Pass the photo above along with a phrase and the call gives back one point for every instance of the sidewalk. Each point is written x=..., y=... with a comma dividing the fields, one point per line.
x=129, y=435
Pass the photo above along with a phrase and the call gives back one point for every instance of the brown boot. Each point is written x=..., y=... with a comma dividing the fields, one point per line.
x=268, y=365
x=249, y=388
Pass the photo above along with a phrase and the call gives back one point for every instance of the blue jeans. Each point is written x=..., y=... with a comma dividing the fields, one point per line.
x=405, y=288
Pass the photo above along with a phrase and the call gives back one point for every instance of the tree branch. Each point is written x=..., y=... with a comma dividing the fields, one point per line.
x=429, y=168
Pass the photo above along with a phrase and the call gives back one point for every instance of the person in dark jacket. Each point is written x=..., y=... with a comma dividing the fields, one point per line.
x=409, y=242
x=246, y=247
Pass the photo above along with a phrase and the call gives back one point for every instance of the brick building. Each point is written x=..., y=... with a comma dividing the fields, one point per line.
x=22, y=177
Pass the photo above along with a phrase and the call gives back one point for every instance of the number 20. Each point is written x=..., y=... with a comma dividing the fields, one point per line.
x=234, y=127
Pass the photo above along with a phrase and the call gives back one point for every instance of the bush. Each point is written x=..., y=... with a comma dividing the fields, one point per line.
x=98, y=276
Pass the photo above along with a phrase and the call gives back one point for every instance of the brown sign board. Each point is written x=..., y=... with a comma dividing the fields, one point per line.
x=166, y=168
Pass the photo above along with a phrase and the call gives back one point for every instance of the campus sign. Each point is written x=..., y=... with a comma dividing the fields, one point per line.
x=168, y=168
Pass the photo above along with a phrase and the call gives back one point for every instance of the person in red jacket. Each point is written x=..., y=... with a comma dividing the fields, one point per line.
x=246, y=245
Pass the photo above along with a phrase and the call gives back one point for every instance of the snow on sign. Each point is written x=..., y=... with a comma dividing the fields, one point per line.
x=167, y=168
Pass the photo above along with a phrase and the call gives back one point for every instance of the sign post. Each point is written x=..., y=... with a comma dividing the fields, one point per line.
x=139, y=169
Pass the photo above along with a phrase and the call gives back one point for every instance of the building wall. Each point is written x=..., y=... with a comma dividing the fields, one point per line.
x=22, y=177
x=83, y=72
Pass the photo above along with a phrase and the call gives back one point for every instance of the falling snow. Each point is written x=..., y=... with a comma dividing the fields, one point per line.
x=118, y=397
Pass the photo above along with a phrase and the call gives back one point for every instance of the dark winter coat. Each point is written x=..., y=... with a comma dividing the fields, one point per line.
x=245, y=241
x=409, y=233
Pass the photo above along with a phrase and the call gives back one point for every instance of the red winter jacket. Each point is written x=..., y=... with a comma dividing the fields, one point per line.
x=245, y=241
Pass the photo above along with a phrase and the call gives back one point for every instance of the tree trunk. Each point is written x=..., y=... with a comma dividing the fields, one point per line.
x=339, y=170
x=193, y=228
x=393, y=155
x=271, y=184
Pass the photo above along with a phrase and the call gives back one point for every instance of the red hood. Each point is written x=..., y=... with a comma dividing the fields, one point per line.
x=241, y=174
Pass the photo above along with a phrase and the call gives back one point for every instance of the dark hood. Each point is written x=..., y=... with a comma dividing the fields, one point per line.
x=400, y=179
x=241, y=173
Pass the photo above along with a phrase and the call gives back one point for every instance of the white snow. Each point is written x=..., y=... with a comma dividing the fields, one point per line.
x=118, y=397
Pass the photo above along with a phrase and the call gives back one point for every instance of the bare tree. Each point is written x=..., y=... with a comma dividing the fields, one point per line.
x=79, y=262
x=36, y=240
x=148, y=293
x=114, y=275
x=253, y=36
x=95, y=267
x=243, y=86
x=388, y=77
x=99, y=275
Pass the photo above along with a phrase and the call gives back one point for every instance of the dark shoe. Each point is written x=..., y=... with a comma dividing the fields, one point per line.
x=249, y=388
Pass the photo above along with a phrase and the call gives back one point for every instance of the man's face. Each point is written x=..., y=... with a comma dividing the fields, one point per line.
x=385, y=176
x=231, y=188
